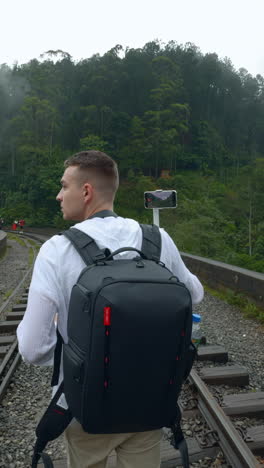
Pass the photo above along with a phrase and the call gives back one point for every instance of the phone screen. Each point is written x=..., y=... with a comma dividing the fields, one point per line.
x=160, y=199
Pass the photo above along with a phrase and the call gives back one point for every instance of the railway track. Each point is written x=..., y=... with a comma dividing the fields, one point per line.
x=239, y=451
x=9, y=320
x=203, y=398
x=224, y=411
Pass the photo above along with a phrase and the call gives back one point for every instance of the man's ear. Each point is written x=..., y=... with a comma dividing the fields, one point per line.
x=88, y=192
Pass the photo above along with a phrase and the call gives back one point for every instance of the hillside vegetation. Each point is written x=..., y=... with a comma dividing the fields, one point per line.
x=158, y=108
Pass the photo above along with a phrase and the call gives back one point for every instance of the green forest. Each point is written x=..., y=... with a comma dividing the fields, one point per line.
x=171, y=116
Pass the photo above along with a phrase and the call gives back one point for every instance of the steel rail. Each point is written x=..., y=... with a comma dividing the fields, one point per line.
x=235, y=449
x=5, y=304
x=12, y=356
x=22, y=281
x=8, y=356
x=4, y=384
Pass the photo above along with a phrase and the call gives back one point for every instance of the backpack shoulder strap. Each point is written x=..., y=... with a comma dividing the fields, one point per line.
x=151, y=241
x=85, y=246
x=51, y=425
x=90, y=253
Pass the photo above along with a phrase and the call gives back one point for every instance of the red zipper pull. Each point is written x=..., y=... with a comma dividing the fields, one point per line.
x=107, y=316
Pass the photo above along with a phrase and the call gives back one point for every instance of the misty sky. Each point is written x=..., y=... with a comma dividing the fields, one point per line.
x=232, y=28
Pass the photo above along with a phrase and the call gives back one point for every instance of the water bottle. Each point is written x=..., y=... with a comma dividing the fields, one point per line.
x=196, y=331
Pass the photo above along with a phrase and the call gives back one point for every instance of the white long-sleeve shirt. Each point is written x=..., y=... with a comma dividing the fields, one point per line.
x=57, y=269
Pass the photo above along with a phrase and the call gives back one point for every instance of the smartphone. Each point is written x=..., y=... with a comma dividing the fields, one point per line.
x=160, y=199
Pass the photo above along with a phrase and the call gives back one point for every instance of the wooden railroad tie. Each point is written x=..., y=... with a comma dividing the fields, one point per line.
x=228, y=375
x=7, y=339
x=19, y=308
x=9, y=326
x=3, y=351
x=244, y=404
x=256, y=433
x=212, y=353
x=11, y=316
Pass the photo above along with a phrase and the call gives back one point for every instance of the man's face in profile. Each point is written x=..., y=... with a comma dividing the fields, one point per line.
x=71, y=195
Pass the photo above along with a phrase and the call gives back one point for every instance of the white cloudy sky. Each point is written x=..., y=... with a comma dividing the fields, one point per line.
x=232, y=28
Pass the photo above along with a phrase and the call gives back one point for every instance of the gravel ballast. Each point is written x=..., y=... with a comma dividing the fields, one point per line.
x=225, y=325
x=30, y=391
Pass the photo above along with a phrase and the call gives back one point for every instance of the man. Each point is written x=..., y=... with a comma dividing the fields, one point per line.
x=89, y=185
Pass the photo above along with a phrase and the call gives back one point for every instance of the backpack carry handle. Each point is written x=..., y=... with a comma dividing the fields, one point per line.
x=125, y=249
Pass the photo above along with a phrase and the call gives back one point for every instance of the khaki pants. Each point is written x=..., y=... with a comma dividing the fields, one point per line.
x=135, y=450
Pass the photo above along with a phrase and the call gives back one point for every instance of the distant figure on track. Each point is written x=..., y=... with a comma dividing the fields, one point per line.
x=21, y=224
x=14, y=225
x=89, y=185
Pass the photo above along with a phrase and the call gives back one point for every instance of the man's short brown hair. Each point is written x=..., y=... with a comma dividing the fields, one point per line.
x=98, y=168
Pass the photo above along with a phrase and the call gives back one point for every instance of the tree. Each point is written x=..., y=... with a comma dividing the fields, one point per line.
x=35, y=127
x=93, y=142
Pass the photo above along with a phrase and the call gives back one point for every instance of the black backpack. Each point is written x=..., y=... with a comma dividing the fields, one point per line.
x=129, y=348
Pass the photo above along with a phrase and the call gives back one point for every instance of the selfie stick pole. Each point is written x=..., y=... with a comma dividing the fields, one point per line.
x=156, y=216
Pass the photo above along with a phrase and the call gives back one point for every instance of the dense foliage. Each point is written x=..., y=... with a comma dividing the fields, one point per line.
x=162, y=107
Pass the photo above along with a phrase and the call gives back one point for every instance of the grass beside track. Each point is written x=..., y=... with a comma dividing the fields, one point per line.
x=16, y=238
x=3, y=253
x=248, y=308
x=7, y=294
x=24, y=243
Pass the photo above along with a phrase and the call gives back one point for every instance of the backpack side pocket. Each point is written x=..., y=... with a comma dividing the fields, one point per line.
x=73, y=366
